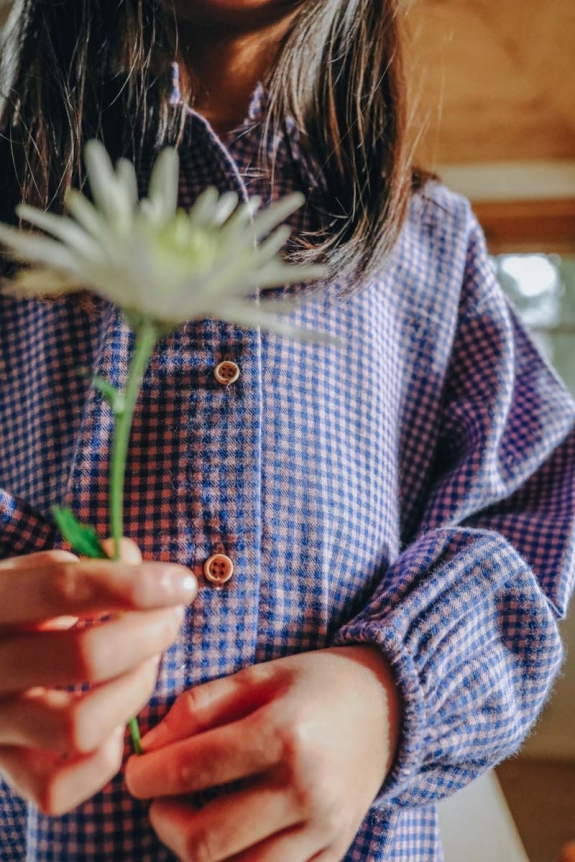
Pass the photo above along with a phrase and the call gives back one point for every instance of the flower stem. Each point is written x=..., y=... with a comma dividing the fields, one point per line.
x=146, y=337
x=123, y=408
x=135, y=731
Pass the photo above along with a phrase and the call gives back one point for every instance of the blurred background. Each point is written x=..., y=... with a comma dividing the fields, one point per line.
x=493, y=95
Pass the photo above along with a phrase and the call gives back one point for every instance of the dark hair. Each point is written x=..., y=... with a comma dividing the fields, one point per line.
x=102, y=68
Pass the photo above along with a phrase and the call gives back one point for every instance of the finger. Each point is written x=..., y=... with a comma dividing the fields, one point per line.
x=58, y=588
x=61, y=721
x=56, y=624
x=217, y=702
x=297, y=844
x=55, y=785
x=129, y=551
x=32, y=561
x=93, y=655
x=36, y=559
x=238, y=750
x=224, y=827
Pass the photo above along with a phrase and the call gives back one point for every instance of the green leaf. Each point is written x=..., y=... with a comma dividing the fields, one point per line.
x=84, y=539
x=114, y=398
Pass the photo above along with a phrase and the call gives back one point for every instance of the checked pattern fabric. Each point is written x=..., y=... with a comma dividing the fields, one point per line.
x=414, y=489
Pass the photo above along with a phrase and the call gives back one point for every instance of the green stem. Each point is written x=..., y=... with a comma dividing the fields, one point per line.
x=135, y=731
x=146, y=338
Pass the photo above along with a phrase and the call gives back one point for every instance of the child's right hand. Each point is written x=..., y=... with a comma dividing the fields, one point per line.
x=58, y=748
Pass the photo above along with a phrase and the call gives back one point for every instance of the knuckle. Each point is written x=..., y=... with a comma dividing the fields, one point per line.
x=184, y=774
x=292, y=741
x=304, y=799
x=260, y=676
x=303, y=769
x=67, y=585
x=191, y=704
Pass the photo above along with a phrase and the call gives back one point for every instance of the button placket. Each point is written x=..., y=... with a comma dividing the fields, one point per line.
x=222, y=488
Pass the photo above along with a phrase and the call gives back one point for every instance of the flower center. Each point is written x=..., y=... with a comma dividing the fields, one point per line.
x=196, y=247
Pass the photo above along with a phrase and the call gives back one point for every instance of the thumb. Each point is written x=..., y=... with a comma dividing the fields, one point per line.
x=129, y=551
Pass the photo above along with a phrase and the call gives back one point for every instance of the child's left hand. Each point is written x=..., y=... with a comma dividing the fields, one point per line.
x=316, y=734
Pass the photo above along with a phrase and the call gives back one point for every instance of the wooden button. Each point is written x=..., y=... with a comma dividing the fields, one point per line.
x=218, y=569
x=226, y=372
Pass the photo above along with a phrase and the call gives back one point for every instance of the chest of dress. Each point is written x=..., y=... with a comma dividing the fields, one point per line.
x=301, y=471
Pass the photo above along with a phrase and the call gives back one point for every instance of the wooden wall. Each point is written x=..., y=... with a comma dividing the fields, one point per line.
x=494, y=79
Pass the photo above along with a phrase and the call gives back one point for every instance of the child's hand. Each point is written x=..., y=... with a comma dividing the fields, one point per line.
x=58, y=748
x=315, y=733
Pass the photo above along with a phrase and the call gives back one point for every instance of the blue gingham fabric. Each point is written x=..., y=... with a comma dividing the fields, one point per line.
x=413, y=489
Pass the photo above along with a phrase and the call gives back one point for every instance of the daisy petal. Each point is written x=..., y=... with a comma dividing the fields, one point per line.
x=270, y=246
x=203, y=210
x=158, y=263
x=164, y=184
x=242, y=216
x=250, y=316
x=276, y=275
x=276, y=213
x=41, y=281
x=63, y=229
x=87, y=215
x=32, y=248
x=225, y=207
x=103, y=182
x=127, y=178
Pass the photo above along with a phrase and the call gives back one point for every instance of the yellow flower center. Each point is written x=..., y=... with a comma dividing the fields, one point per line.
x=195, y=248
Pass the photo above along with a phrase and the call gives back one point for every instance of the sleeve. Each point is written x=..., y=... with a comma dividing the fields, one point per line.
x=467, y=614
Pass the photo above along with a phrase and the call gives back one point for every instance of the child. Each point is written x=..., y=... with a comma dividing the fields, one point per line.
x=381, y=534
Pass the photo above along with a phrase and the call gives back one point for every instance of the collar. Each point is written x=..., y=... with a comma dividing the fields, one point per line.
x=288, y=138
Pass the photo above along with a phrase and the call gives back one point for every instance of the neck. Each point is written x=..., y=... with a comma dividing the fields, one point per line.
x=225, y=60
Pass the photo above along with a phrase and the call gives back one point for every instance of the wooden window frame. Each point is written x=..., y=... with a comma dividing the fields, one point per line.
x=546, y=226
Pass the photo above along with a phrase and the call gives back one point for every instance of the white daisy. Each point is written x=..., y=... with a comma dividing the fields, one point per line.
x=158, y=263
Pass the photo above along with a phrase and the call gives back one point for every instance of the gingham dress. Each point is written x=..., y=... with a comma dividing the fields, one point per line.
x=413, y=489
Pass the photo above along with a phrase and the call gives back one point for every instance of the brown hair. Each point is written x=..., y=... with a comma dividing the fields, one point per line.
x=102, y=68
